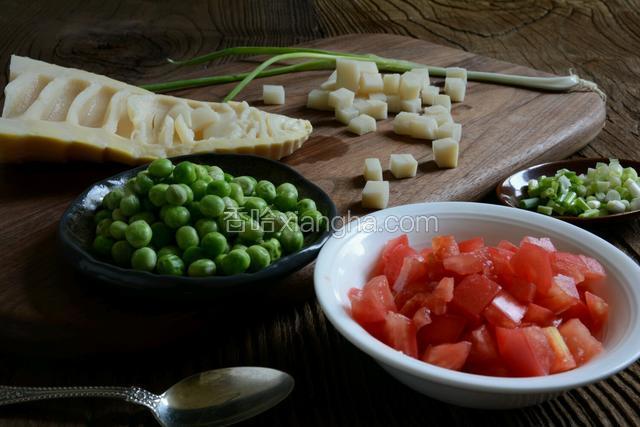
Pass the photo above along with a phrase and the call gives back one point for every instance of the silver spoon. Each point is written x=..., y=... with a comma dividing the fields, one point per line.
x=218, y=397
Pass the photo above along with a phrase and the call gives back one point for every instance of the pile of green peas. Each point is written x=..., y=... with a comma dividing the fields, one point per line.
x=197, y=220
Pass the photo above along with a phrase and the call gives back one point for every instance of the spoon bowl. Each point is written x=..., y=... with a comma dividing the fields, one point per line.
x=511, y=190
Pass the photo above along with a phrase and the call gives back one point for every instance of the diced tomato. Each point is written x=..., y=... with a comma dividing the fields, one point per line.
x=421, y=299
x=521, y=289
x=436, y=301
x=579, y=311
x=386, y=252
x=373, y=303
x=524, y=350
x=473, y=294
x=483, y=346
x=594, y=271
x=568, y=264
x=442, y=329
x=444, y=247
x=538, y=315
x=410, y=290
x=562, y=358
x=505, y=311
x=466, y=263
x=561, y=296
x=435, y=269
x=507, y=245
x=544, y=242
x=412, y=270
x=598, y=311
x=471, y=245
x=581, y=343
x=396, y=258
x=450, y=356
x=501, y=260
x=533, y=263
x=422, y=317
x=400, y=333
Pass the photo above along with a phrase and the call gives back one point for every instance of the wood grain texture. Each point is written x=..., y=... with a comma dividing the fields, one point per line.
x=336, y=384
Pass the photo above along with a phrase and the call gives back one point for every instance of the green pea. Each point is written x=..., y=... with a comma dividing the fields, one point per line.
x=246, y=184
x=193, y=253
x=176, y=216
x=273, y=247
x=236, y=262
x=287, y=188
x=259, y=256
x=251, y=231
x=121, y=252
x=189, y=192
x=102, y=245
x=130, y=205
x=169, y=250
x=112, y=199
x=161, y=235
x=286, y=201
x=310, y=220
x=160, y=168
x=212, y=206
x=176, y=195
x=187, y=236
x=147, y=217
x=117, y=215
x=274, y=221
x=291, y=240
x=194, y=210
x=163, y=211
x=199, y=189
x=130, y=186
x=255, y=206
x=138, y=234
x=237, y=193
x=117, y=229
x=201, y=171
x=216, y=173
x=266, y=190
x=230, y=222
x=144, y=259
x=158, y=194
x=228, y=177
x=102, y=229
x=205, y=226
x=219, y=188
x=218, y=260
x=202, y=268
x=230, y=204
x=102, y=214
x=170, y=264
x=184, y=173
x=214, y=244
x=143, y=183
x=305, y=205
x=239, y=246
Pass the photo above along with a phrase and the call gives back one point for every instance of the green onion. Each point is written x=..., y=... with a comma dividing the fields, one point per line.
x=547, y=210
x=529, y=203
x=591, y=213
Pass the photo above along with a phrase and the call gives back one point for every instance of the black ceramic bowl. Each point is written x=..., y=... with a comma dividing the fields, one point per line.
x=76, y=231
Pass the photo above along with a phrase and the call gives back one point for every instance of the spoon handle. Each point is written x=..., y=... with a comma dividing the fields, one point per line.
x=10, y=395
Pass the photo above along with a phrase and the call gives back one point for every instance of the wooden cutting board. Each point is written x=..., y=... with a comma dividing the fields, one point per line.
x=44, y=304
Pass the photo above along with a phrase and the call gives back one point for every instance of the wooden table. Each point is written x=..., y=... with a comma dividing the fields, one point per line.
x=336, y=384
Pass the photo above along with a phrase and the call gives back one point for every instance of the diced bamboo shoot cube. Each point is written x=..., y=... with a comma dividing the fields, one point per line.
x=410, y=85
x=372, y=169
x=375, y=195
x=403, y=165
x=411, y=105
x=422, y=73
x=443, y=119
x=435, y=110
x=360, y=104
x=362, y=124
x=347, y=74
x=443, y=100
x=346, y=114
x=394, y=103
x=273, y=94
x=457, y=72
x=378, y=96
x=368, y=67
x=429, y=94
x=341, y=98
x=445, y=152
x=423, y=127
x=391, y=84
x=370, y=83
x=449, y=130
x=455, y=87
x=402, y=123
x=318, y=100
x=330, y=83
x=374, y=108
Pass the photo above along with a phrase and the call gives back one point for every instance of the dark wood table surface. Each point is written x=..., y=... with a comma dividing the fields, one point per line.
x=336, y=383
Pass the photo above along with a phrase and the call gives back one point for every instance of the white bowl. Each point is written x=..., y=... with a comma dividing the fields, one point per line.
x=347, y=258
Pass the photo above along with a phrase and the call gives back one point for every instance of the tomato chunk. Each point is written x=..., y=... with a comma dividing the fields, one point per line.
x=501, y=260
x=396, y=259
x=386, y=252
x=465, y=263
x=373, y=303
x=521, y=289
x=579, y=311
x=504, y=310
x=483, y=346
x=562, y=358
x=400, y=333
x=444, y=247
x=581, y=343
x=561, y=296
x=598, y=311
x=471, y=245
x=422, y=317
x=525, y=350
x=544, y=242
x=446, y=328
x=473, y=294
x=450, y=356
x=569, y=265
x=412, y=270
x=593, y=271
x=435, y=269
x=539, y=315
x=533, y=263
x=507, y=245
